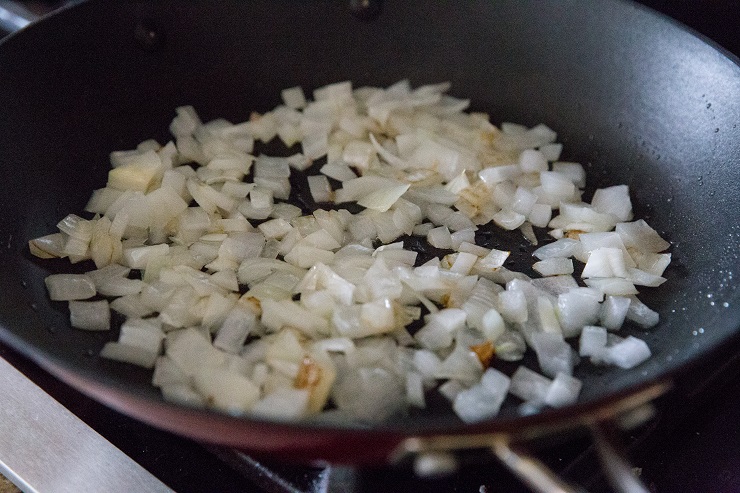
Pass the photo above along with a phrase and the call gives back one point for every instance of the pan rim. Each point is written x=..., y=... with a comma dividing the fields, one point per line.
x=57, y=369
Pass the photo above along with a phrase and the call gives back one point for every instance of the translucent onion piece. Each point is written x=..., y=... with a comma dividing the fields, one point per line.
x=197, y=244
x=90, y=315
x=66, y=287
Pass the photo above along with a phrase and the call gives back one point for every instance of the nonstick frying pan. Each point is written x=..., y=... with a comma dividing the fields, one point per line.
x=635, y=97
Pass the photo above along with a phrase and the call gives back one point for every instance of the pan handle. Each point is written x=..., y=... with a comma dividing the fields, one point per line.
x=14, y=16
x=603, y=422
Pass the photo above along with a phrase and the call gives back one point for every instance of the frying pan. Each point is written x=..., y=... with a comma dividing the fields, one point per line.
x=635, y=97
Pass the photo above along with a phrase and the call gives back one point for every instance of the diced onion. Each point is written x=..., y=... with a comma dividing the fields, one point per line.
x=67, y=287
x=244, y=303
x=563, y=391
x=89, y=315
x=529, y=385
x=129, y=354
x=627, y=353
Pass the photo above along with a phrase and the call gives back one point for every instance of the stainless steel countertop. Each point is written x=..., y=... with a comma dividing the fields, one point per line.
x=46, y=448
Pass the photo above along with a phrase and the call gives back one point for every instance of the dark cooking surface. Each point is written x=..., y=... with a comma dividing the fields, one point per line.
x=634, y=98
x=697, y=452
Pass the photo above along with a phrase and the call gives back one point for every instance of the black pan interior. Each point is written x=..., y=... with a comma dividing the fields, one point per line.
x=635, y=97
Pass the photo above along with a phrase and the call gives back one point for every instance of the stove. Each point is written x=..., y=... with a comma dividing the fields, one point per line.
x=691, y=445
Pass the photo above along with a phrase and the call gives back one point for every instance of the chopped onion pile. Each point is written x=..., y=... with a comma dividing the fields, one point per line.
x=244, y=302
